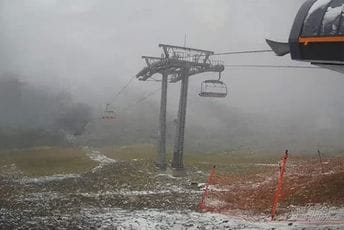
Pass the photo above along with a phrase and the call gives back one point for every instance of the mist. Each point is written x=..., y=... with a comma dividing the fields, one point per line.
x=70, y=58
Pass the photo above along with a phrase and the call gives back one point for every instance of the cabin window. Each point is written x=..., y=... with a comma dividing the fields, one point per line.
x=332, y=18
x=341, y=25
x=312, y=23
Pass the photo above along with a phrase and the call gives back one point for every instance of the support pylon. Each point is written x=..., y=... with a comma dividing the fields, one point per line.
x=162, y=125
x=178, y=151
x=180, y=63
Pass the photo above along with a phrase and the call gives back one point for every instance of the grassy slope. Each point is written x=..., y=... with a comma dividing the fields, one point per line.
x=48, y=161
x=304, y=183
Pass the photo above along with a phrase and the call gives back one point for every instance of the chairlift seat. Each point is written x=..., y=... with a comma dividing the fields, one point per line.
x=108, y=113
x=212, y=94
x=213, y=88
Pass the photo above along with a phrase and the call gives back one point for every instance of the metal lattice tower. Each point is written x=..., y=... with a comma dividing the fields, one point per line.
x=176, y=64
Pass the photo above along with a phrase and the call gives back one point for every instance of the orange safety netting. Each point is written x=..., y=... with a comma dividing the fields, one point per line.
x=228, y=192
x=279, y=186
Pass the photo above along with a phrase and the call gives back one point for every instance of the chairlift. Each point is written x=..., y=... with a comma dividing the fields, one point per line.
x=213, y=88
x=108, y=113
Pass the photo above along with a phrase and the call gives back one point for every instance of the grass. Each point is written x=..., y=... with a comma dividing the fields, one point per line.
x=48, y=161
x=236, y=163
x=231, y=163
x=304, y=183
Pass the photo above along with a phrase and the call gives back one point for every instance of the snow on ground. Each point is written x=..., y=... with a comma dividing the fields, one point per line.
x=186, y=219
x=61, y=208
x=102, y=159
x=10, y=171
x=98, y=157
x=44, y=179
x=125, y=192
x=266, y=165
x=315, y=213
x=42, y=196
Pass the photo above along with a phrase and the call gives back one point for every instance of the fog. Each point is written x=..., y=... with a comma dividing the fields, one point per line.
x=79, y=54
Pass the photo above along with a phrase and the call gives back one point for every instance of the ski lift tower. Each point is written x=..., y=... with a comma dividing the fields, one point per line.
x=177, y=64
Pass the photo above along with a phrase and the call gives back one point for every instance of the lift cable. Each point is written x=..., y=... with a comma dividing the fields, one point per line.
x=274, y=66
x=123, y=88
x=115, y=97
x=243, y=52
x=142, y=99
x=148, y=95
x=278, y=67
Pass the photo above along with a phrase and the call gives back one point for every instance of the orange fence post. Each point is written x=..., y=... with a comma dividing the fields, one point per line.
x=279, y=185
x=206, y=191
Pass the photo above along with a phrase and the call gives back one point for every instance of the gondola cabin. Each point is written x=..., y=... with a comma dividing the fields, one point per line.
x=317, y=35
x=318, y=32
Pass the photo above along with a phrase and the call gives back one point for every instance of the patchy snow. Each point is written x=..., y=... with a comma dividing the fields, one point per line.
x=158, y=219
x=220, y=188
x=125, y=192
x=316, y=213
x=44, y=179
x=266, y=165
x=201, y=186
x=215, y=203
x=10, y=171
x=42, y=196
x=329, y=173
x=186, y=219
x=98, y=157
x=168, y=175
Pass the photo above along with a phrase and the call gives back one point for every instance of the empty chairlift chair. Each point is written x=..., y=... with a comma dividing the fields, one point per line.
x=108, y=113
x=213, y=88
